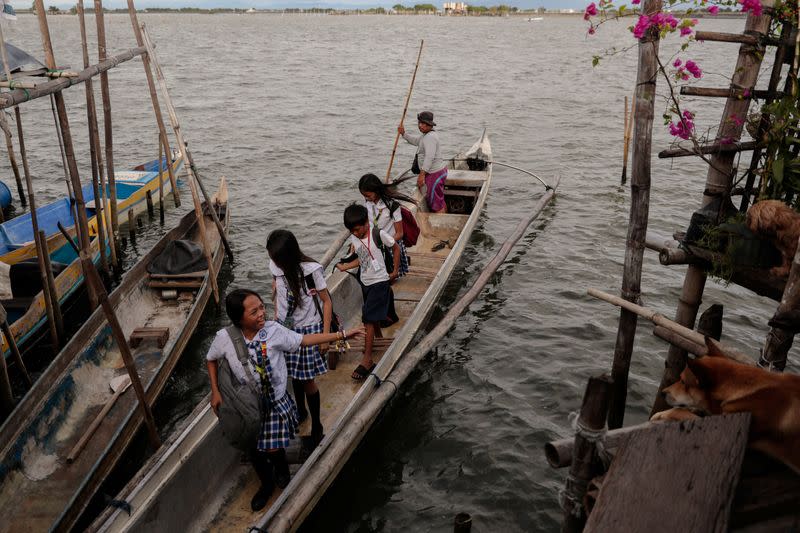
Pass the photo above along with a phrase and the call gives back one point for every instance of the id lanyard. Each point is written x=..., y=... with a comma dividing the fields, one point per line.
x=369, y=240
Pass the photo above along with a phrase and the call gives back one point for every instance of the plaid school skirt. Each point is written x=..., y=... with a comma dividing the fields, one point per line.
x=279, y=425
x=307, y=362
x=404, y=264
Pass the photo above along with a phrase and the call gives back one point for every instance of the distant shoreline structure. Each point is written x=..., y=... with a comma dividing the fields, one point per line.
x=493, y=11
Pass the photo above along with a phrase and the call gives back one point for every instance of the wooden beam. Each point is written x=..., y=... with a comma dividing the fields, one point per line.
x=721, y=37
x=728, y=93
x=712, y=148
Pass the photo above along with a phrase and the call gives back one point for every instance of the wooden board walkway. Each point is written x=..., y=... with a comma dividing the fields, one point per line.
x=677, y=476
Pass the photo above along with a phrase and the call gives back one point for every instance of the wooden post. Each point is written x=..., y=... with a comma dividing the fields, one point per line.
x=191, y=171
x=11, y=157
x=93, y=280
x=462, y=523
x=626, y=139
x=107, y=126
x=9, y=145
x=405, y=110
x=154, y=97
x=644, y=100
x=718, y=183
x=54, y=320
x=160, y=180
x=149, y=199
x=584, y=460
x=784, y=322
x=94, y=144
x=132, y=225
x=6, y=395
x=12, y=345
x=170, y=172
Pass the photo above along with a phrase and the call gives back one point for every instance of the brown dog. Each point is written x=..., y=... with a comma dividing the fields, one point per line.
x=716, y=384
x=780, y=223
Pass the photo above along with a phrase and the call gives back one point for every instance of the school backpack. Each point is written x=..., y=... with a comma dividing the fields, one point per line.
x=388, y=254
x=410, y=226
x=240, y=414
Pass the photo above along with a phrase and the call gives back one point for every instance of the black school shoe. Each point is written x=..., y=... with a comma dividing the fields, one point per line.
x=261, y=497
x=281, y=466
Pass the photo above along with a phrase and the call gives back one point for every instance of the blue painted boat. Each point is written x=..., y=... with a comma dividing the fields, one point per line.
x=5, y=195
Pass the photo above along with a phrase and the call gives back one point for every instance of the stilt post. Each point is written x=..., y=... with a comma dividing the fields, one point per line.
x=14, y=167
x=160, y=179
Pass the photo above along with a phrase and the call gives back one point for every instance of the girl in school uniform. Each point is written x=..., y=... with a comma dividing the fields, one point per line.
x=302, y=304
x=267, y=344
x=381, y=201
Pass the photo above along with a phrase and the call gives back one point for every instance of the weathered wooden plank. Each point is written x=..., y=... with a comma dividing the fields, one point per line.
x=767, y=489
x=679, y=476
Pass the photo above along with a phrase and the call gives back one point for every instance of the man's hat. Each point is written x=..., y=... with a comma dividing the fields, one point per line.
x=427, y=118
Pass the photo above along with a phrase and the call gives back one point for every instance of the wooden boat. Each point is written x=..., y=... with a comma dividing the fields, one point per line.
x=39, y=490
x=26, y=307
x=196, y=481
x=16, y=235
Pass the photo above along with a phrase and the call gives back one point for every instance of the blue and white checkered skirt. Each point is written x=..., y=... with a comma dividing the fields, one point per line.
x=279, y=425
x=307, y=362
x=403, y=270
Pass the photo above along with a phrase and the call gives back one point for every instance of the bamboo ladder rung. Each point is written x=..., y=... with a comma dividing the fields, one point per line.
x=729, y=93
x=713, y=148
x=722, y=37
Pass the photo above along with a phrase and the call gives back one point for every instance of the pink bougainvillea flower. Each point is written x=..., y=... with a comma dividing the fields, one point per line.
x=591, y=30
x=736, y=120
x=746, y=93
x=635, y=2
x=641, y=26
x=753, y=6
x=713, y=10
x=591, y=11
x=726, y=140
x=686, y=30
x=684, y=127
x=677, y=63
x=693, y=69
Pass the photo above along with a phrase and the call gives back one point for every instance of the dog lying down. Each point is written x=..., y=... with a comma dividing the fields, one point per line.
x=716, y=384
x=779, y=223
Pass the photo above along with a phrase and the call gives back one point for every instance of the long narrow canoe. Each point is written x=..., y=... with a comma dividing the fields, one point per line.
x=26, y=309
x=16, y=235
x=196, y=481
x=39, y=490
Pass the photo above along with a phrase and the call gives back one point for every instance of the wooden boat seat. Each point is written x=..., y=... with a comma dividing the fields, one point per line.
x=465, y=178
x=160, y=335
x=188, y=280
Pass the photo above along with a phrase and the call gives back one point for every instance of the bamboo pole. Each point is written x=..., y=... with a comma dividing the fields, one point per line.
x=94, y=143
x=51, y=295
x=160, y=179
x=626, y=138
x=10, y=146
x=93, y=280
x=405, y=110
x=584, y=462
x=784, y=322
x=718, y=183
x=108, y=131
x=19, y=96
x=334, y=248
x=191, y=171
x=644, y=100
x=170, y=172
x=661, y=320
x=321, y=467
x=6, y=394
x=156, y=107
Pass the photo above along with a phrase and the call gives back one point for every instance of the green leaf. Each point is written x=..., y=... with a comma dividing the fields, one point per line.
x=595, y=61
x=777, y=170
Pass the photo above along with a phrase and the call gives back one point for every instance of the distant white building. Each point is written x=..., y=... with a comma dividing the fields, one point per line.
x=454, y=8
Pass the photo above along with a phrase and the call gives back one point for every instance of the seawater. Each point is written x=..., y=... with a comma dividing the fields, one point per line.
x=293, y=109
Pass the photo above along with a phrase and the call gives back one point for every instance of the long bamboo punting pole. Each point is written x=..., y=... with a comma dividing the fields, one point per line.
x=296, y=502
x=94, y=144
x=93, y=280
x=108, y=131
x=14, y=168
x=718, y=183
x=405, y=110
x=183, y=146
x=644, y=99
x=137, y=31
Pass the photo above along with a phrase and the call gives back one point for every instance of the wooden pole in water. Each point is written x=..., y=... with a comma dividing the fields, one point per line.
x=626, y=139
x=12, y=345
x=639, y=213
x=9, y=144
x=154, y=97
x=191, y=171
x=6, y=394
x=718, y=183
x=93, y=279
x=584, y=466
x=132, y=225
x=781, y=335
x=160, y=179
x=94, y=143
x=51, y=295
x=107, y=125
x=405, y=110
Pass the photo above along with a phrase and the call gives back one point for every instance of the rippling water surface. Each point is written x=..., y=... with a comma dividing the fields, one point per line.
x=293, y=109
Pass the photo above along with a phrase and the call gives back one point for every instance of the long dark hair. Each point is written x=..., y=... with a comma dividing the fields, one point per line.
x=284, y=250
x=234, y=304
x=387, y=193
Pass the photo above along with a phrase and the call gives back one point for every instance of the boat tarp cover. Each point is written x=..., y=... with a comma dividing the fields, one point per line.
x=179, y=257
x=21, y=61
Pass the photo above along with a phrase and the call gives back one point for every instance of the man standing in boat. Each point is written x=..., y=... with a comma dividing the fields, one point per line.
x=428, y=163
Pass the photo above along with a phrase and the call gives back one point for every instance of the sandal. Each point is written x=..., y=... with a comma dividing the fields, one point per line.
x=360, y=373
